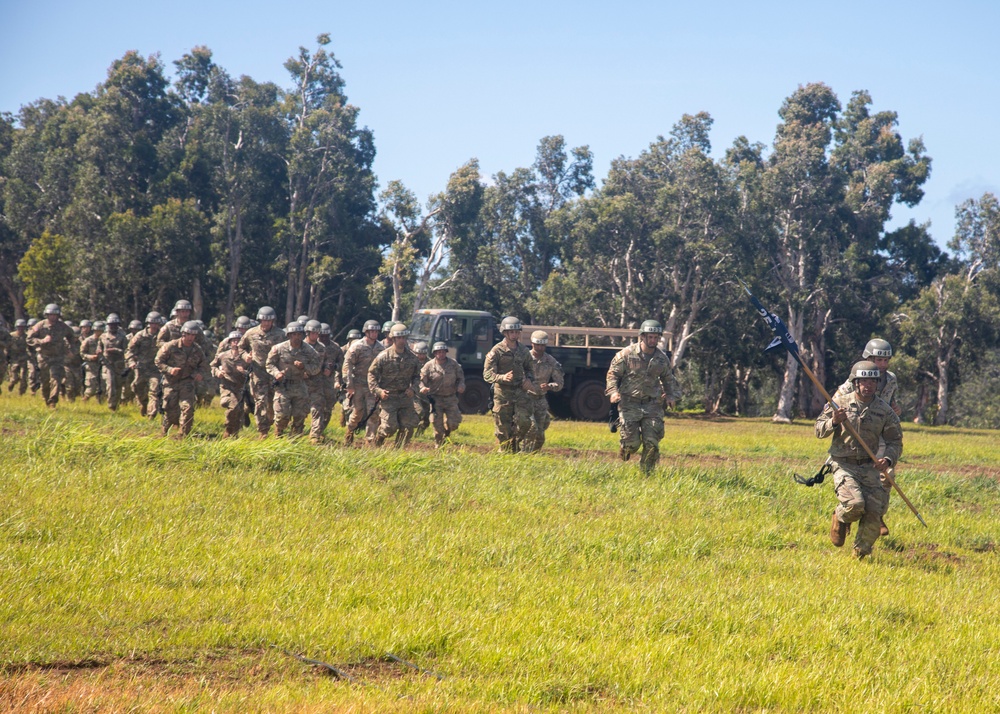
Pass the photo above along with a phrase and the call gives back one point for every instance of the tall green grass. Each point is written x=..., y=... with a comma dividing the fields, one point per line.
x=562, y=580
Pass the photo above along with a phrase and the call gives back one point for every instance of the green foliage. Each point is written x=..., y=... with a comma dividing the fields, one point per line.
x=45, y=272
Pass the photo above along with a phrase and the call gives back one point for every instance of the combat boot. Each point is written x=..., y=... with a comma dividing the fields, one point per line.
x=349, y=438
x=838, y=531
x=883, y=529
x=624, y=453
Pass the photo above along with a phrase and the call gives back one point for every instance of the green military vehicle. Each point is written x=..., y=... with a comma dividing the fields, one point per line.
x=584, y=352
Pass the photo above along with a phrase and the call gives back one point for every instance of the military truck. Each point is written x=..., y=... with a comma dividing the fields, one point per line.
x=584, y=352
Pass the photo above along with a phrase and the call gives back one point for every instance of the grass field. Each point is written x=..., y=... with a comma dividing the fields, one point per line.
x=138, y=573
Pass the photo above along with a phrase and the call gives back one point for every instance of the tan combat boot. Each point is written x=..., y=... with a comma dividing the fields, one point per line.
x=838, y=531
x=883, y=529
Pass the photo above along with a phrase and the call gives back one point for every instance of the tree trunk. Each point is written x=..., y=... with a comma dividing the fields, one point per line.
x=921, y=405
x=941, y=417
x=234, y=235
x=786, y=400
x=197, y=299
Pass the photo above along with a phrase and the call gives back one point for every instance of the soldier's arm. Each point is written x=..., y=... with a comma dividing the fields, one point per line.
x=271, y=364
x=893, y=435
x=415, y=379
x=825, y=427
x=614, y=378
x=162, y=355
x=348, y=369
x=374, y=374
x=558, y=377
x=312, y=361
x=460, y=379
x=489, y=368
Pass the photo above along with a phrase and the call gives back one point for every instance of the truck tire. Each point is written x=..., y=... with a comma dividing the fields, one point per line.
x=589, y=402
x=476, y=398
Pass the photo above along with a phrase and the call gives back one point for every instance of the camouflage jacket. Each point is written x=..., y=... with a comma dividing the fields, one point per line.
x=547, y=371
x=871, y=421
x=58, y=346
x=442, y=379
x=394, y=373
x=112, y=347
x=141, y=352
x=227, y=369
x=191, y=360
x=639, y=377
x=281, y=359
x=257, y=344
x=501, y=359
x=334, y=362
x=90, y=349
x=17, y=352
x=357, y=361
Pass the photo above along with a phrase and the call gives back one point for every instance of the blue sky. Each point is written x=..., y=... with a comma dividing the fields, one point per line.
x=442, y=82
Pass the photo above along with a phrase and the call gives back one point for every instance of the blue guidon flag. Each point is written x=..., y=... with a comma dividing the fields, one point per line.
x=782, y=337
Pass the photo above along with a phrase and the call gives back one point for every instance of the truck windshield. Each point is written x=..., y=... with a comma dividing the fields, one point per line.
x=420, y=330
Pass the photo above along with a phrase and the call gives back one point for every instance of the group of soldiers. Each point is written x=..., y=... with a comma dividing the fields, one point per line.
x=282, y=376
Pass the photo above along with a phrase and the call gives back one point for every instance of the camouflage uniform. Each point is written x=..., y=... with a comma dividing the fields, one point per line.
x=18, y=368
x=886, y=389
x=331, y=382
x=232, y=385
x=141, y=358
x=5, y=340
x=291, y=395
x=112, y=348
x=73, y=381
x=389, y=376
x=317, y=394
x=421, y=404
x=356, y=363
x=51, y=356
x=91, y=355
x=444, y=381
x=547, y=371
x=856, y=479
x=642, y=381
x=511, y=408
x=256, y=344
x=179, y=396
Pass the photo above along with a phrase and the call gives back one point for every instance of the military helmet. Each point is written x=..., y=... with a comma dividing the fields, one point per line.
x=68, y=323
x=294, y=326
x=32, y=322
x=539, y=337
x=313, y=326
x=865, y=370
x=243, y=322
x=135, y=325
x=191, y=327
x=99, y=325
x=20, y=323
x=440, y=346
x=370, y=325
x=86, y=323
x=113, y=319
x=324, y=328
x=302, y=319
x=420, y=348
x=76, y=331
x=234, y=335
x=509, y=323
x=399, y=330
x=877, y=348
x=387, y=325
x=354, y=335
x=153, y=318
x=267, y=313
x=183, y=305
x=651, y=327
x=52, y=309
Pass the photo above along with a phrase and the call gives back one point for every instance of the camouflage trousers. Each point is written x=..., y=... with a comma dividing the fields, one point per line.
x=317, y=408
x=540, y=420
x=51, y=373
x=18, y=375
x=362, y=404
x=398, y=415
x=262, y=389
x=92, y=385
x=447, y=417
x=232, y=402
x=291, y=405
x=112, y=373
x=73, y=381
x=178, y=405
x=34, y=380
x=511, y=419
x=640, y=423
x=142, y=381
x=863, y=500
x=331, y=395
x=422, y=406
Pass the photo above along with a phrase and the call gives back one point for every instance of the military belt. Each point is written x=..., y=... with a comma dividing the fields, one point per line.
x=852, y=460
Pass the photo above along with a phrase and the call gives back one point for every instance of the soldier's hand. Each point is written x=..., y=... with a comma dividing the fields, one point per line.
x=327, y=373
x=281, y=376
x=409, y=392
x=615, y=398
x=240, y=369
x=174, y=371
x=298, y=364
x=669, y=403
x=350, y=394
x=198, y=377
x=883, y=464
x=527, y=385
x=461, y=390
x=47, y=339
x=840, y=415
x=509, y=377
x=425, y=390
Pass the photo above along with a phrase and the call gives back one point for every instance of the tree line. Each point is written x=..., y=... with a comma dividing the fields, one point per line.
x=237, y=193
